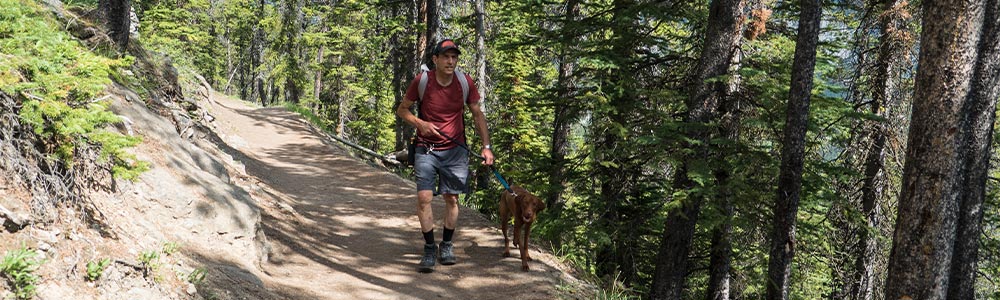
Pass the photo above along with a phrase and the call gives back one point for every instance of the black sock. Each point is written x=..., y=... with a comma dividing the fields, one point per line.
x=447, y=234
x=429, y=236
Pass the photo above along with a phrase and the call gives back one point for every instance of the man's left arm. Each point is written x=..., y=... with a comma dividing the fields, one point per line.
x=484, y=133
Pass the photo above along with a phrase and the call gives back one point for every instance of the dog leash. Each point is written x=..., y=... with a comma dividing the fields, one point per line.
x=496, y=173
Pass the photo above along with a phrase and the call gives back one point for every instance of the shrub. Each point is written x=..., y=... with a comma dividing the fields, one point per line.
x=169, y=248
x=96, y=268
x=197, y=276
x=59, y=83
x=19, y=266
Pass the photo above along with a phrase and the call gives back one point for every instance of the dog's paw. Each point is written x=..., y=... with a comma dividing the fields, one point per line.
x=524, y=267
x=506, y=254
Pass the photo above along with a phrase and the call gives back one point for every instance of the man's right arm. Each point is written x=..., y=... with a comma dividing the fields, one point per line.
x=423, y=127
x=403, y=111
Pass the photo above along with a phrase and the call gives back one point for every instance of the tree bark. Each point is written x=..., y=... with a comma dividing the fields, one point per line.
x=924, y=238
x=429, y=38
x=481, y=54
x=793, y=148
x=892, y=21
x=719, y=262
x=722, y=38
x=721, y=247
x=117, y=21
x=318, y=76
x=341, y=101
x=980, y=115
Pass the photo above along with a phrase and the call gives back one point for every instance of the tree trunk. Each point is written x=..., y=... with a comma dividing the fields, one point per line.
x=980, y=115
x=793, y=148
x=722, y=38
x=292, y=24
x=429, y=39
x=481, y=53
x=721, y=247
x=403, y=67
x=292, y=91
x=719, y=262
x=892, y=22
x=422, y=40
x=564, y=115
x=116, y=18
x=274, y=93
x=924, y=238
x=318, y=77
x=256, y=53
x=341, y=102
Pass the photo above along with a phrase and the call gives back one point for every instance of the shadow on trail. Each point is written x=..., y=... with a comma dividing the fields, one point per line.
x=225, y=278
x=359, y=221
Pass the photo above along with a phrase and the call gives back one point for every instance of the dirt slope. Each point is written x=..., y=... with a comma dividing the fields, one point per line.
x=340, y=229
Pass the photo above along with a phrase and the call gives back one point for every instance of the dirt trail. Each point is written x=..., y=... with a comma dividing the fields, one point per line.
x=340, y=229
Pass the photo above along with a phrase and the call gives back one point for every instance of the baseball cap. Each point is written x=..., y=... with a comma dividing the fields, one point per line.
x=445, y=45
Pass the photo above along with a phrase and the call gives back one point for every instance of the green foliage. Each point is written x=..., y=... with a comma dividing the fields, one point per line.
x=60, y=81
x=169, y=248
x=987, y=286
x=615, y=291
x=183, y=32
x=81, y=3
x=18, y=267
x=307, y=114
x=633, y=63
x=149, y=260
x=149, y=257
x=197, y=276
x=96, y=268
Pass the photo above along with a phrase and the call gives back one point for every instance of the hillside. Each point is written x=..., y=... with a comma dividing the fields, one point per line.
x=238, y=203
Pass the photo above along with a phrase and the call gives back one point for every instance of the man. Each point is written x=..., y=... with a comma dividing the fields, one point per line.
x=441, y=121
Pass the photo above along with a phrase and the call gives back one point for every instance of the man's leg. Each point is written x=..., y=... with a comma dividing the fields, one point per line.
x=424, y=212
x=454, y=176
x=450, y=211
x=424, y=169
x=426, y=216
x=450, y=220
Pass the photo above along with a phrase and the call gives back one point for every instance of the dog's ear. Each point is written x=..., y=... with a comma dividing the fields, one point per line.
x=539, y=204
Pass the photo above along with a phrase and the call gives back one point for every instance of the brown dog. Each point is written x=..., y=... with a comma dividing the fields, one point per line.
x=524, y=208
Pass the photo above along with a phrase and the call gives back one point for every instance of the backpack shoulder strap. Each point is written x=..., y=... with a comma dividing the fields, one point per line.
x=464, y=82
x=422, y=85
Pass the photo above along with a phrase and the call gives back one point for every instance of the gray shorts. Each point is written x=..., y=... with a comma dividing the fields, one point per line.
x=449, y=167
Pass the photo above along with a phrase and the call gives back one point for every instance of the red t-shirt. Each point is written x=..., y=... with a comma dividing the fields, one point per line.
x=443, y=107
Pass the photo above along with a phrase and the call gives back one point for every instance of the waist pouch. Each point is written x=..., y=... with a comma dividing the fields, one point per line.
x=411, y=152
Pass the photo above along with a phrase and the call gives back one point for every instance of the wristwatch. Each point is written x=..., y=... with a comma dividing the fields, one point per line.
x=487, y=146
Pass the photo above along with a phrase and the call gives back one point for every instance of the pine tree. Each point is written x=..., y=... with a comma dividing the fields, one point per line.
x=924, y=239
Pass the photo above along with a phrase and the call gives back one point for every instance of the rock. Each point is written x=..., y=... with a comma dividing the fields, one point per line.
x=11, y=220
x=48, y=236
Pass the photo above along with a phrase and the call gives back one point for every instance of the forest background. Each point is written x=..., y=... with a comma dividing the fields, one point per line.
x=725, y=149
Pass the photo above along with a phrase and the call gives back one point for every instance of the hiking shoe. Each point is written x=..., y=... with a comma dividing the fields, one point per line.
x=447, y=253
x=430, y=256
